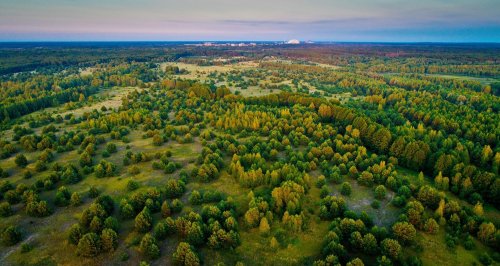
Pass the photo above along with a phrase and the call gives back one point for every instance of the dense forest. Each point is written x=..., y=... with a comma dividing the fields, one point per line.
x=312, y=154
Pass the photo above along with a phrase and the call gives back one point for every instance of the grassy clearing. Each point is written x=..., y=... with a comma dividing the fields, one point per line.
x=435, y=251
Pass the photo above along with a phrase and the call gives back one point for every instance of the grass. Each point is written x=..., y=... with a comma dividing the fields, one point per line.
x=436, y=252
x=361, y=199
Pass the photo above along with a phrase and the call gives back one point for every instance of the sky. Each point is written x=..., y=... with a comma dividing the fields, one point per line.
x=251, y=20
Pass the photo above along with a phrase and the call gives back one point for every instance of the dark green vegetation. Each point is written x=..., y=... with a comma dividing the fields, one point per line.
x=269, y=155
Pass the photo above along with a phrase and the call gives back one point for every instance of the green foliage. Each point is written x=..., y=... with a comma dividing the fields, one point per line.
x=185, y=256
x=89, y=245
x=11, y=235
x=21, y=160
x=346, y=189
x=148, y=247
x=404, y=232
x=144, y=221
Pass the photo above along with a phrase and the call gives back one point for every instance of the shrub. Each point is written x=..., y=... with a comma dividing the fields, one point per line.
x=5, y=209
x=11, y=235
x=21, y=160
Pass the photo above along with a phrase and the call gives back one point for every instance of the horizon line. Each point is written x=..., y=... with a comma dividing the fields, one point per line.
x=241, y=41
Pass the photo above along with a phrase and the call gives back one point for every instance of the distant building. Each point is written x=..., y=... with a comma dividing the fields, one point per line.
x=293, y=41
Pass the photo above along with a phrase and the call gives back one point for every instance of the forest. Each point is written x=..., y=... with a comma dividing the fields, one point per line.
x=152, y=153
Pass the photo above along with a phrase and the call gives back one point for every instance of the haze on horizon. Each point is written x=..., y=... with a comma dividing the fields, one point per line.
x=216, y=20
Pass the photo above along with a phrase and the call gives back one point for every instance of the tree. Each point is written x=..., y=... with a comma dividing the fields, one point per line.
x=85, y=159
x=109, y=239
x=345, y=189
x=161, y=230
x=89, y=245
x=384, y=261
x=404, y=232
x=195, y=198
x=165, y=209
x=111, y=223
x=143, y=221
x=429, y=197
x=148, y=247
x=355, y=262
x=5, y=209
x=369, y=244
x=264, y=227
x=431, y=226
x=391, y=248
x=21, y=160
x=75, y=233
x=195, y=234
x=75, y=199
x=157, y=140
x=478, y=209
x=274, y=244
x=380, y=192
x=11, y=235
x=185, y=256
x=486, y=233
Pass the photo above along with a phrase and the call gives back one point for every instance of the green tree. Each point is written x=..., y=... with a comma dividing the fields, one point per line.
x=85, y=159
x=391, y=248
x=21, y=160
x=75, y=199
x=404, y=232
x=89, y=245
x=346, y=189
x=431, y=226
x=109, y=240
x=148, y=247
x=487, y=233
x=185, y=256
x=143, y=221
x=11, y=236
x=5, y=209
x=75, y=233
x=380, y=192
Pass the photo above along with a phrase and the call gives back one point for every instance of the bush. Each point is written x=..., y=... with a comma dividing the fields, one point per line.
x=134, y=170
x=5, y=209
x=11, y=235
x=485, y=259
x=93, y=192
x=26, y=247
x=111, y=148
x=21, y=160
x=132, y=185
